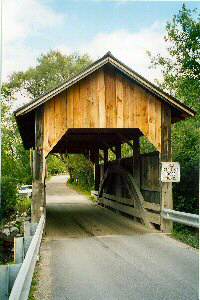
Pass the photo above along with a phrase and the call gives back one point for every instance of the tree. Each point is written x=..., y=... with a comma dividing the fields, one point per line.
x=80, y=169
x=181, y=74
x=55, y=165
x=52, y=69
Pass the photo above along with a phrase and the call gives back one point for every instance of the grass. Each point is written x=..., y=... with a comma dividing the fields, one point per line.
x=23, y=205
x=186, y=235
x=82, y=190
x=34, y=284
x=79, y=189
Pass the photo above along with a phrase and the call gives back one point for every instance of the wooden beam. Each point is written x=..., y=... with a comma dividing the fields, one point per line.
x=136, y=160
x=38, y=193
x=95, y=159
x=101, y=156
x=118, y=151
x=125, y=140
x=105, y=159
x=166, y=155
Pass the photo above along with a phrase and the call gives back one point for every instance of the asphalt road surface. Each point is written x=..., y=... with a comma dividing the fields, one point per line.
x=92, y=253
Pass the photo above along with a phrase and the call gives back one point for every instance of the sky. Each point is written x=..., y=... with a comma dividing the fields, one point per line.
x=126, y=28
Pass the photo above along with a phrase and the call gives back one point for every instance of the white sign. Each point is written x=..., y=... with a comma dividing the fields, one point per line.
x=170, y=172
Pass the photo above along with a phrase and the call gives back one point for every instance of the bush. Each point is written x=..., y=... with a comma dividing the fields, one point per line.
x=8, y=196
x=55, y=165
x=23, y=205
x=80, y=169
x=185, y=137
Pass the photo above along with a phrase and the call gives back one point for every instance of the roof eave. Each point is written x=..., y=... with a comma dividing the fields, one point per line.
x=30, y=106
x=108, y=58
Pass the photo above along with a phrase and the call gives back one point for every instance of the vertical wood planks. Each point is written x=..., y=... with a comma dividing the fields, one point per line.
x=70, y=112
x=83, y=102
x=119, y=101
x=101, y=99
x=77, y=109
x=105, y=99
x=126, y=105
x=110, y=93
x=93, y=101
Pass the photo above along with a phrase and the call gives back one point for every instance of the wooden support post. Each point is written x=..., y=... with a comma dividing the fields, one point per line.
x=136, y=160
x=166, y=155
x=38, y=194
x=118, y=151
x=105, y=154
x=95, y=158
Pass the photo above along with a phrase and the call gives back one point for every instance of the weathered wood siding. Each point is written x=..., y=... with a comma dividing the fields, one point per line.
x=103, y=100
x=150, y=177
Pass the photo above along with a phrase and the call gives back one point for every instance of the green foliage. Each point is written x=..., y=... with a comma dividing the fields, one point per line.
x=181, y=73
x=23, y=205
x=186, y=234
x=15, y=160
x=146, y=146
x=53, y=68
x=80, y=189
x=8, y=196
x=55, y=165
x=185, y=140
x=81, y=169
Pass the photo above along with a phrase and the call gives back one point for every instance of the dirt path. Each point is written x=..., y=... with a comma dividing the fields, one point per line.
x=92, y=253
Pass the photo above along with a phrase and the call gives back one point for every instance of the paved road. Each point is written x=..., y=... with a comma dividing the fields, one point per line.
x=91, y=253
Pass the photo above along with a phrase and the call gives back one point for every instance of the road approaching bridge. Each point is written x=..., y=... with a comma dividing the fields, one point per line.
x=91, y=253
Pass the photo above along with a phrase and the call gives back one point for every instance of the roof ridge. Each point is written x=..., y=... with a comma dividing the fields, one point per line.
x=107, y=58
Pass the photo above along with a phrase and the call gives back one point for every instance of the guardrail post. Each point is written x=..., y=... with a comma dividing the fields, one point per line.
x=18, y=249
x=13, y=271
x=27, y=242
x=4, y=282
x=33, y=228
x=27, y=228
x=22, y=283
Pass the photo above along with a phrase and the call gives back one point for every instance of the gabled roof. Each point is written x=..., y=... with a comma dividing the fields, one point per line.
x=108, y=58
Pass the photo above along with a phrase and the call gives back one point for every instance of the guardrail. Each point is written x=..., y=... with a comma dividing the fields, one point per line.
x=181, y=217
x=22, y=284
x=15, y=279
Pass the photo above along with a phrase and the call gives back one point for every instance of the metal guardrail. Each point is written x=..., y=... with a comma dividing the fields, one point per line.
x=22, y=284
x=181, y=217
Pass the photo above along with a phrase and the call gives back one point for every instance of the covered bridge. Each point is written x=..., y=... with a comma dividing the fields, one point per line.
x=101, y=108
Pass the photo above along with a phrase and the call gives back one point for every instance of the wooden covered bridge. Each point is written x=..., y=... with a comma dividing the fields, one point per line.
x=101, y=108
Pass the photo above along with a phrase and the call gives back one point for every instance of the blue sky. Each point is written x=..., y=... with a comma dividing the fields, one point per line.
x=127, y=28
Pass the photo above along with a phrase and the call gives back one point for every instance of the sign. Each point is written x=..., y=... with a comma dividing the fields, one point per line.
x=170, y=172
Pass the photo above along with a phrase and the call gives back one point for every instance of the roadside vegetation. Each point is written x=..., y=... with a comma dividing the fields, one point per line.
x=181, y=73
x=186, y=235
x=181, y=77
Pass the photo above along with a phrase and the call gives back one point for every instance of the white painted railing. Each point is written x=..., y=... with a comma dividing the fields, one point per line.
x=22, y=284
x=181, y=217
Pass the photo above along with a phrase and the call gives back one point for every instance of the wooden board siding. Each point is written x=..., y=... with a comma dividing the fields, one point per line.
x=104, y=99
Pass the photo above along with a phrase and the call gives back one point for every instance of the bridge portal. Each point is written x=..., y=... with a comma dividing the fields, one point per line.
x=99, y=110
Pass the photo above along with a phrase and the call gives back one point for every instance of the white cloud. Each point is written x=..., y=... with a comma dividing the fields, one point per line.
x=131, y=48
x=21, y=20
x=24, y=19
